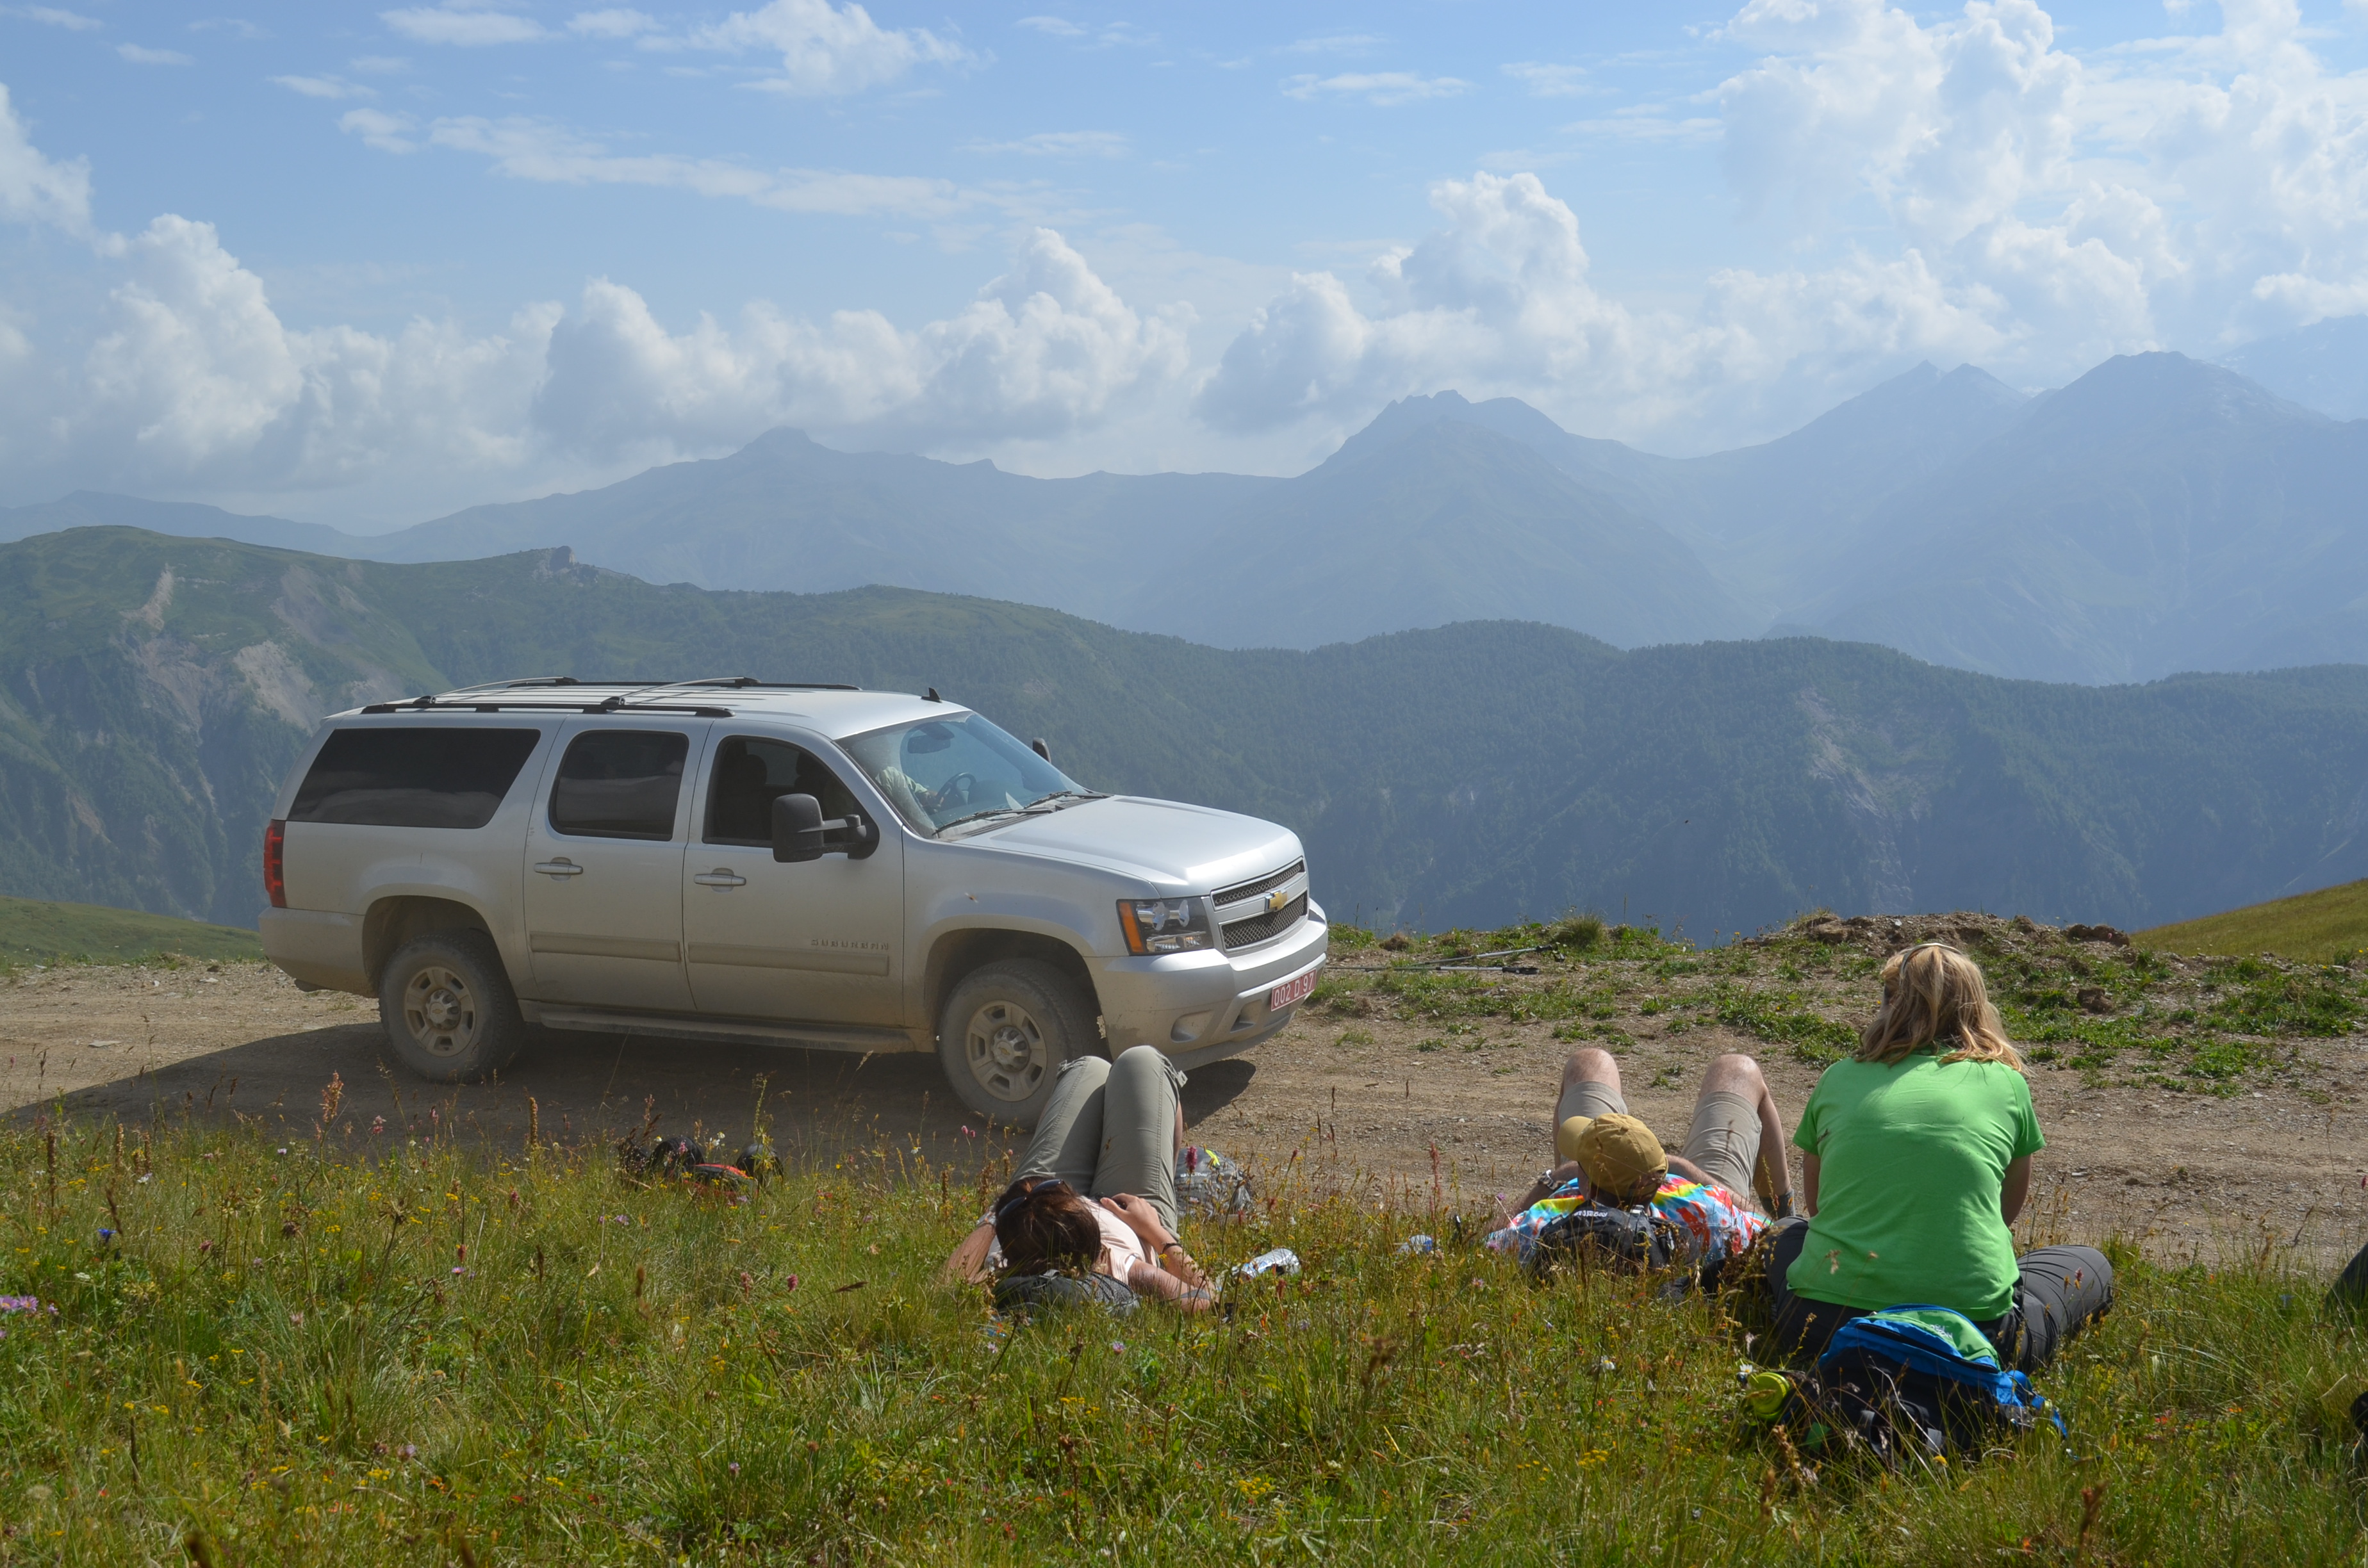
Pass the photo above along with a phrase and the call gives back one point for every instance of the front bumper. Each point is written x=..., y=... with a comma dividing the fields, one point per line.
x=1201, y=1006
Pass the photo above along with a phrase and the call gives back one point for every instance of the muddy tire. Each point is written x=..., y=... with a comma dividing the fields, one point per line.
x=1005, y=1032
x=447, y=1005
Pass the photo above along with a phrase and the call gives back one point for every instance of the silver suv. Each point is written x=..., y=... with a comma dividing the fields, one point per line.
x=803, y=865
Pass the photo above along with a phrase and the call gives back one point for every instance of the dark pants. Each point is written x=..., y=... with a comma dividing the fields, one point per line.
x=2351, y=1292
x=2060, y=1291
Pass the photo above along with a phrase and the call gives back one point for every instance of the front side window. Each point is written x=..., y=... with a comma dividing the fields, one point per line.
x=412, y=775
x=619, y=784
x=751, y=773
x=941, y=773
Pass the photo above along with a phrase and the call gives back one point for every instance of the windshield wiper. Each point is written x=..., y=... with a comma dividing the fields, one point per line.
x=944, y=828
x=1063, y=795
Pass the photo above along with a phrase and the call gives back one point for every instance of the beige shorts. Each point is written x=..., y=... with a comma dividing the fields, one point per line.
x=1723, y=1140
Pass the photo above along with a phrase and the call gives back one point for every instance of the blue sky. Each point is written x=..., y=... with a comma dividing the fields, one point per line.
x=364, y=263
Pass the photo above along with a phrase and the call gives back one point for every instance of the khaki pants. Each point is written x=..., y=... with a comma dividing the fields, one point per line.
x=1111, y=1127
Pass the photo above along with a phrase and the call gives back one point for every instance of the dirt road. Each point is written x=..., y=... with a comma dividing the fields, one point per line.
x=1362, y=1099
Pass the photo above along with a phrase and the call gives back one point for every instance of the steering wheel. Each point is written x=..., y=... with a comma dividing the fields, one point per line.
x=954, y=791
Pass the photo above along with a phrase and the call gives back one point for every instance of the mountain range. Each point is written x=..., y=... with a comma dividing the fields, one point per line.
x=2159, y=514
x=153, y=691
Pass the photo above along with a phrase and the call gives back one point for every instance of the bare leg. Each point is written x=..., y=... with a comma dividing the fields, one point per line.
x=1588, y=1064
x=1739, y=1076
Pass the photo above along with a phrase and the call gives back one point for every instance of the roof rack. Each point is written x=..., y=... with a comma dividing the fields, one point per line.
x=489, y=704
x=637, y=697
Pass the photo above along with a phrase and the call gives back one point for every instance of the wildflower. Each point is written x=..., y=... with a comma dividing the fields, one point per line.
x=20, y=1303
x=205, y=1247
x=283, y=1150
x=378, y=1125
x=734, y=1466
x=967, y=1132
x=296, y=1320
x=1118, y=1346
x=104, y=1236
x=408, y=1451
x=146, y=1177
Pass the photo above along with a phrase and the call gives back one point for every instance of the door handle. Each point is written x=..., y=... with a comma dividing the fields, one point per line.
x=562, y=866
x=722, y=877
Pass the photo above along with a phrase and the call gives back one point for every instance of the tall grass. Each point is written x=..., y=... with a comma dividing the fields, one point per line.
x=387, y=1349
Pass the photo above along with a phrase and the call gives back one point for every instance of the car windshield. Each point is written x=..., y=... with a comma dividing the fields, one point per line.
x=943, y=772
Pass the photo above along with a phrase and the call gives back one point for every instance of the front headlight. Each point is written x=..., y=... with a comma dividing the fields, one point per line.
x=1164, y=925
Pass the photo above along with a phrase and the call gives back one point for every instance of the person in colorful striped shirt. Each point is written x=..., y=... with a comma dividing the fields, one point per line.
x=1733, y=1146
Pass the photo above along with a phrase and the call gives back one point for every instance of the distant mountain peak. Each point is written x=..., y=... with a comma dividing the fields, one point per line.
x=2168, y=391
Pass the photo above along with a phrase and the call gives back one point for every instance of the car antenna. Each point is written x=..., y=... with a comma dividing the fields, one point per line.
x=933, y=695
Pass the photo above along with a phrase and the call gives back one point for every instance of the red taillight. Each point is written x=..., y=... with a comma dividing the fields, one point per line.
x=275, y=876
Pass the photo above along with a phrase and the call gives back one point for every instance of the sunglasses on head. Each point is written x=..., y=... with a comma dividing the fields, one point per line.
x=1013, y=1201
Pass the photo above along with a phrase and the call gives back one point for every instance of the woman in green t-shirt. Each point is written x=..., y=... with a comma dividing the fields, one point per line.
x=1916, y=1158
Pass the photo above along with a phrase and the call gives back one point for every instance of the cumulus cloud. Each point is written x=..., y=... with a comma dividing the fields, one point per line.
x=467, y=29
x=1060, y=144
x=325, y=87
x=34, y=189
x=616, y=22
x=1042, y=350
x=1974, y=190
x=1551, y=81
x=74, y=21
x=387, y=133
x=2202, y=187
x=828, y=50
x=189, y=382
x=1383, y=88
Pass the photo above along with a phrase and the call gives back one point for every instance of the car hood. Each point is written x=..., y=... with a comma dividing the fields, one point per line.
x=1177, y=848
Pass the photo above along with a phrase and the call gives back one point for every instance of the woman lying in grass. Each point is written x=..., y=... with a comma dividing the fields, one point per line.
x=1918, y=1159
x=1096, y=1197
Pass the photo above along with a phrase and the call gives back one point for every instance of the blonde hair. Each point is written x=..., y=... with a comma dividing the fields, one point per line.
x=1931, y=993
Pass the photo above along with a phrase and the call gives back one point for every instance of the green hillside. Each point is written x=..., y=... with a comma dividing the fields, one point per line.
x=38, y=931
x=154, y=691
x=2329, y=924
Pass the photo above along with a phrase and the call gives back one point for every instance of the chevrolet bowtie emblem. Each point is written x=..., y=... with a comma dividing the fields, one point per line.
x=1276, y=899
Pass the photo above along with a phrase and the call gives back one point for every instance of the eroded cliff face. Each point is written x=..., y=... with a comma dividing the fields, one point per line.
x=149, y=709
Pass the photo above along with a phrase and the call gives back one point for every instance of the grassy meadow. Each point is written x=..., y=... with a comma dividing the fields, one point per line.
x=381, y=1345
x=36, y=930
x=2329, y=923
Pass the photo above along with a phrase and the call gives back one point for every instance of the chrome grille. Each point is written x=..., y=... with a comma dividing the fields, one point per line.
x=1241, y=891
x=1258, y=927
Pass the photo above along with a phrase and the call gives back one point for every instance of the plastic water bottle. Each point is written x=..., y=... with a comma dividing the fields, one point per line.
x=1418, y=1243
x=1281, y=1260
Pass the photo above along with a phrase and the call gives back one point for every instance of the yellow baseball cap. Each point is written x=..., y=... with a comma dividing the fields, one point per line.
x=1621, y=1156
x=1566, y=1136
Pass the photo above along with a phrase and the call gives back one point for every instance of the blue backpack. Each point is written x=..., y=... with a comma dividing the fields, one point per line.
x=1923, y=1378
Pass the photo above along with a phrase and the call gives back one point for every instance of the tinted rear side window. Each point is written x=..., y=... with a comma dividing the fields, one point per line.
x=413, y=776
x=619, y=784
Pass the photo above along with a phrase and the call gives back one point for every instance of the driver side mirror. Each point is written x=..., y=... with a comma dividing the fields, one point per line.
x=800, y=834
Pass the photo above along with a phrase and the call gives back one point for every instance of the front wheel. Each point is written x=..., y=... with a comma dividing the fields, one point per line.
x=448, y=1008
x=1005, y=1033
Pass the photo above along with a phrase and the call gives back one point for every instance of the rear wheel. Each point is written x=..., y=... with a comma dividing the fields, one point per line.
x=448, y=1008
x=1005, y=1033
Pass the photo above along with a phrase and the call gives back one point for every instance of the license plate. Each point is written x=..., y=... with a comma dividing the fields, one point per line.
x=1290, y=993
